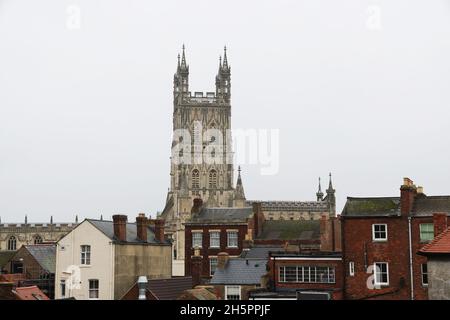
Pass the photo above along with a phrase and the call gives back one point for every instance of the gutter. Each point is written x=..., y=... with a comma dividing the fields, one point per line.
x=410, y=258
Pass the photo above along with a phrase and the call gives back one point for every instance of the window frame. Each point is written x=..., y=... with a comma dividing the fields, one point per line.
x=211, y=259
x=63, y=288
x=94, y=289
x=424, y=274
x=351, y=268
x=375, y=269
x=422, y=225
x=228, y=238
x=374, y=232
x=85, y=255
x=216, y=239
x=227, y=288
x=194, y=240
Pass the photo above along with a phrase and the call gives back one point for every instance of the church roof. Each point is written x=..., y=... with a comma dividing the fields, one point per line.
x=319, y=206
x=290, y=230
x=223, y=215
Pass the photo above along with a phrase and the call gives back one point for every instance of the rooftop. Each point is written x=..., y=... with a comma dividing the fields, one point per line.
x=440, y=244
x=107, y=227
x=222, y=215
x=30, y=293
x=259, y=252
x=162, y=289
x=45, y=255
x=376, y=207
x=275, y=205
x=290, y=230
x=240, y=271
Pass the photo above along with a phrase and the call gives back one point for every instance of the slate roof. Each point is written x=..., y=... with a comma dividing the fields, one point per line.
x=197, y=294
x=372, y=207
x=45, y=255
x=440, y=244
x=162, y=289
x=107, y=227
x=259, y=252
x=5, y=256
x=30, y=293
x=222, y=215
x=240, y=272
x=290, y=230
x=427, y=205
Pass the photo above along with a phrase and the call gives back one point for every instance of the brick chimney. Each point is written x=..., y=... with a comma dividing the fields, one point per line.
x=222, y=259
x=440, y=223
x=196, y=268
x=159, y=230
x=141, y=226
x=120, y=227
x=326, y=234
x=197, y=205
x=408, y=192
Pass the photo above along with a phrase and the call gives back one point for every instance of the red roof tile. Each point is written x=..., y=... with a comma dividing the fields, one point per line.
x=12, y=277
x=30, y=293
x=440, y=244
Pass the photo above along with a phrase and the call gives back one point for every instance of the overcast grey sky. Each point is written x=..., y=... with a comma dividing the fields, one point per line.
x=357, y=87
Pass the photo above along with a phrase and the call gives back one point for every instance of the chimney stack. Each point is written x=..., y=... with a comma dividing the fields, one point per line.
x=196, y=268
x=141, y=226
x=159, y=230
x=408, y=192
x=440, y=223
x=222, y=259
x=258, y=219
x=120, y=227
x=197, y=206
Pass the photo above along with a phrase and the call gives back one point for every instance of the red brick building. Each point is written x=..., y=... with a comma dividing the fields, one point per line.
x=304, y=276
x=381, y=238
x=216, y=230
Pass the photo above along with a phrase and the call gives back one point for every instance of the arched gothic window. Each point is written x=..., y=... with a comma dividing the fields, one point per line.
x=195, y=179
x=37, y=239
x=12, y=243
x=213, y=179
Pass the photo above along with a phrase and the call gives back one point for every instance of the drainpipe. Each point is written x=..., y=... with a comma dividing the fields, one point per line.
x=410, y=259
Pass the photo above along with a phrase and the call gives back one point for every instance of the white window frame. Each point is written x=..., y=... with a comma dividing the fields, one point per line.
x=210, y=265
x=234, y=287
x=422, y=274
x=85, y=255
x=211, y=238
x=228, y=239
x=420, y=232
x=351, y=268
x=375, y=270
x=373, y=231
x=195, y=240
x=94, y=289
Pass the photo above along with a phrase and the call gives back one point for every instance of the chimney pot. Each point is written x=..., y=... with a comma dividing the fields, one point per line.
x=142, y=286
x=222, y=259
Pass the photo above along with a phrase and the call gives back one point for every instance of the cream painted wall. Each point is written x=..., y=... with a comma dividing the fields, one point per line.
x=68, y=254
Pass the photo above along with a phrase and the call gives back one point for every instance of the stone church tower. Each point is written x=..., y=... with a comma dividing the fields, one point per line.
x=202, y=159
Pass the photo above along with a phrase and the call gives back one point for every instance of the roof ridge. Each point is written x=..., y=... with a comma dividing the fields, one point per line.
x=435, y=240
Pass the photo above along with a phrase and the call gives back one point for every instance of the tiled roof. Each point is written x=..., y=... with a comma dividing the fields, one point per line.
x=30, y=293
x=214, y=215
x=290, y=230
x=5, y=256
x=319, y=206
x=45, y=255
x=240, y=271
x=197, y=294
x=259, y=252
x=372, y=207
x=162, y=289
x=107, y=227
x=12, y=277
x=440, y=244
x=427, y=205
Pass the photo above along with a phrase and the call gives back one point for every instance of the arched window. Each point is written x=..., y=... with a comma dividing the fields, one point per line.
x=213, y=179
x=12, y=243
x=37, y=239
x=195, y=179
